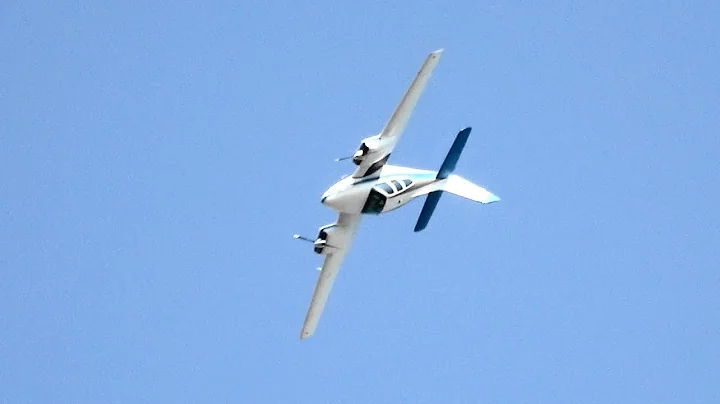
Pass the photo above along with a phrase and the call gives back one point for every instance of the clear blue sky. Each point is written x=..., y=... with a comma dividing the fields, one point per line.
x=156, y=159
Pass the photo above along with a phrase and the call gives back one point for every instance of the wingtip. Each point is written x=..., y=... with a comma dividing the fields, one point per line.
x=492, y=198
x=435, y=55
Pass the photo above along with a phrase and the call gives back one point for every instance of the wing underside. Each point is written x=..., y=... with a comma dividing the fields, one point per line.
x=348, y=225
x=396, y=125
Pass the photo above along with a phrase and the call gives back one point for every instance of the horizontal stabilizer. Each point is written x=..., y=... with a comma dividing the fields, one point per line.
x=427, y=210
x=448, y=166
x=446, y=169
x=461, y=187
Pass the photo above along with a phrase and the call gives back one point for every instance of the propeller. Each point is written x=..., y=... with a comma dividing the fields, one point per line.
x=299, y=237
x=358, y=154
x=303, y=238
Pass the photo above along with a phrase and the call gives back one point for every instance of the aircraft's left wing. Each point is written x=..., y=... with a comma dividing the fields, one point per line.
x=396, y=125
x=347, y=224
x=388, y=138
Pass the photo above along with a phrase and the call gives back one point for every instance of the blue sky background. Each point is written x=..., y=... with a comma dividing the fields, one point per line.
x=156, y=159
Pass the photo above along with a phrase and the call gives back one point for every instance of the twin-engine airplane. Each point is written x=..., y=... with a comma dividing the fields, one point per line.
x=377, y=187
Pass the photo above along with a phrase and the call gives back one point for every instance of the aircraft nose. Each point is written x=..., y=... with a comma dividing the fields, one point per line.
x=332, y=201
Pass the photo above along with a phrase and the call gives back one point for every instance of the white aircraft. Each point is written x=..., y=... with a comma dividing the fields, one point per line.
x=377, y=187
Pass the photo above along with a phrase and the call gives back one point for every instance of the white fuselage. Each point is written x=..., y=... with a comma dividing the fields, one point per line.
x=394, y=187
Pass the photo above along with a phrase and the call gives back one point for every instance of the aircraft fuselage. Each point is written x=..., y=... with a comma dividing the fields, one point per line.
x=393, y=188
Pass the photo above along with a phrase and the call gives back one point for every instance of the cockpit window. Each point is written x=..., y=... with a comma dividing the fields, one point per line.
x=375, y=203
x=385, y=187
x=397, y=185
x=407, y=182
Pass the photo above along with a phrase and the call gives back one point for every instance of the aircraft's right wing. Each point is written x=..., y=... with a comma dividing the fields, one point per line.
x=347, y=225
x=390, y=134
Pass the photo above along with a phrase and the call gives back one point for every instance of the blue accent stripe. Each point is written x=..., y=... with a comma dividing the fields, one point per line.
x=448, y=166
x=427, y=210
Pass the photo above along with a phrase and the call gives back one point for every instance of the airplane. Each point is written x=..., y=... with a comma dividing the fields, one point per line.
x=377, y=187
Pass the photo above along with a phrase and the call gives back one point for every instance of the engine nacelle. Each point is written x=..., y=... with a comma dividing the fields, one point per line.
x=367, y=147
x=324, y=242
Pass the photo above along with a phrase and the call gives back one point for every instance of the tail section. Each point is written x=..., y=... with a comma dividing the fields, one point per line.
x=453, y=183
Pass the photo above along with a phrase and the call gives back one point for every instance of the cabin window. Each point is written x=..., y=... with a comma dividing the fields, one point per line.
x=385, y=187
x=397, y=185
x=407, y=182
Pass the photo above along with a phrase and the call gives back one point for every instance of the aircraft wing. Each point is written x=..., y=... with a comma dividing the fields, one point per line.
x=348, y=225
x=394, y=128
